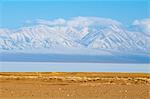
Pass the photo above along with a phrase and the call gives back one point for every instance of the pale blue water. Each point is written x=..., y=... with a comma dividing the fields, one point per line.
x=29, y=57
x=71, y=67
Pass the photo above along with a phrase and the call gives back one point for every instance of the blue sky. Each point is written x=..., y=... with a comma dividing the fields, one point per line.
x=13, y=13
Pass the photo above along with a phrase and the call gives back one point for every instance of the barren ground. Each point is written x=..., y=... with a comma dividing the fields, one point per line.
x=60, y=85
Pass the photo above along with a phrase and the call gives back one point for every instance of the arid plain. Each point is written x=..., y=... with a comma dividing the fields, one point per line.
x=74, y=85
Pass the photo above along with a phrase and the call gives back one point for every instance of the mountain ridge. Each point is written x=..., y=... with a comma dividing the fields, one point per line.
x=79, y=32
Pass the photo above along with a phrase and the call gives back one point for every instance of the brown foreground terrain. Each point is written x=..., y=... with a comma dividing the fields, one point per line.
x=81, y=85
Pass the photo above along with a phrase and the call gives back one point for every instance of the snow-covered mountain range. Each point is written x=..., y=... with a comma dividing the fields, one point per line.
x=79, y=33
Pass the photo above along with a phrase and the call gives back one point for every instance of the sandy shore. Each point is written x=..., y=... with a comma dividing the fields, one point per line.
x=54, y=85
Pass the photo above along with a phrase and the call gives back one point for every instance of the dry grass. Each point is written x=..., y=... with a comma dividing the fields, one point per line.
x=74, y=77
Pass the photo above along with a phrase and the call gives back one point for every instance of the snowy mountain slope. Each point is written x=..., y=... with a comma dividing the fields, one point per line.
x=79, y=32
x=38, y=36
x=122, y=41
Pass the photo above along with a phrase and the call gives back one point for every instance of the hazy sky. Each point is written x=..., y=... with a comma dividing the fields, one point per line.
x=14, y=14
